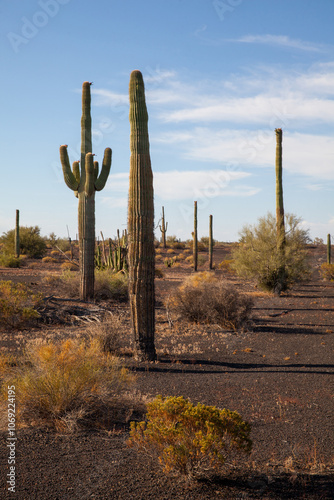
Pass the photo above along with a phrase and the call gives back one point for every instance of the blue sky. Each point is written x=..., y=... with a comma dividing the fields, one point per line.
x=220, y=76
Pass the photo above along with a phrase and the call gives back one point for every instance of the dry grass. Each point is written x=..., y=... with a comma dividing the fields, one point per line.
x=112, y=334
x=68, y=385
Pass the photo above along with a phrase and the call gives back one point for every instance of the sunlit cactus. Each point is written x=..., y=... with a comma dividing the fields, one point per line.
x=141, y=252
x=84, y=179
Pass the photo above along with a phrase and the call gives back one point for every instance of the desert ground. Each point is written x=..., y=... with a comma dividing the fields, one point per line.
x=277, y=373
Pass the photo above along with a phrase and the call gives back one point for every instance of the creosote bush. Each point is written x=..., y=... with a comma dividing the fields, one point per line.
x=7, y=260
x=108, y=284
x=203, y=298
x=31, y=242
x=17, y=304
x=190, y=440
x=327, y=271
x=257, y=256
x=68, y=385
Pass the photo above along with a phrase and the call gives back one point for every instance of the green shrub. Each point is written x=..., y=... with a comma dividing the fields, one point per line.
x=190, y=439
x=327, y=271
x=17, y=304
x=257, y=255
x=203, y=298
x=68, y=385
x=108, y=284
x=9, y=261
x=31, y=242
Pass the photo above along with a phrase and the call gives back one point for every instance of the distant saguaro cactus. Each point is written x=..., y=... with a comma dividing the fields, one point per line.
x=84, y=180
x=17, y=234
x=195, y=246
x=163, y=228
x=329, y=249
x=141, y=252
x=280, y=226
x=210, y=242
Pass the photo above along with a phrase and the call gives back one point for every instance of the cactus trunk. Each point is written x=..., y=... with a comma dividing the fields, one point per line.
x=84, y=181
x=280, y=228
x=210, y=242
x=141, y=256
x=195, y=252
x=17, y=234
x=329, y=248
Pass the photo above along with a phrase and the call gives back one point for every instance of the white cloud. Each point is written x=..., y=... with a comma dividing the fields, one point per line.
x=281, y=41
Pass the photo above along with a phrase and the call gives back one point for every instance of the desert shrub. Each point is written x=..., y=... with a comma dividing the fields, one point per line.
x=111, y=334
x=201, y=260
x=31, y=242
x=327, y=271
x=174, y=242
x=257, y=255
x=190, y=439
x=17, y=304
x=203, y=298
x=111, y=285
x=170, y=262
x=159, y=273
x=189, y=259
x=170, y=251
x=108, y=284
x=69, y=266
x=49, y=260
x=63, y=244
x=68, y=385
x=10, y=261
x=158, y=251
x=226, y=265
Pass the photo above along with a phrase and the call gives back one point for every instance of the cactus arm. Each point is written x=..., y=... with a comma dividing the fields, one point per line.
x=89, y=165
x=69, y=176
x=96, y=170
x=106, y=165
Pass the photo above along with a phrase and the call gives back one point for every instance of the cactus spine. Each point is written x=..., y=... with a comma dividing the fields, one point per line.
x=281, y=274
x=210, y=242
x=195, y=252
x=163, y=228
x=84, y=180
x=17, y=234
x=329, y=253
x=141, y=256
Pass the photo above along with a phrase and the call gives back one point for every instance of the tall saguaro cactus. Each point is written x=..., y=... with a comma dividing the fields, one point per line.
x=84, y=180
x=195, y=246
x=210, y=242
x=329, y=249
x=17, y=234
x=279, y=190
x=141, y=252
x=280, y=227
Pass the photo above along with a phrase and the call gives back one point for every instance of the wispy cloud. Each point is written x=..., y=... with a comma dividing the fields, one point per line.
x=182, y=185
x=280, y=41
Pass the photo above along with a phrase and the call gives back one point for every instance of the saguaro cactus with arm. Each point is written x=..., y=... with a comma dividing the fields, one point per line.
x=84, y=180
x=141, y=253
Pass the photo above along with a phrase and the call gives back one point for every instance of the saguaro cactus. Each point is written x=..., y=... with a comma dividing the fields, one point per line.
x=84, y=180
x=163, y=228
x=195, y=250
x=329, y=249
x=280, y=227
x=279, y=190
x=141, y=253
x=210, y=242
x=17, y=234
